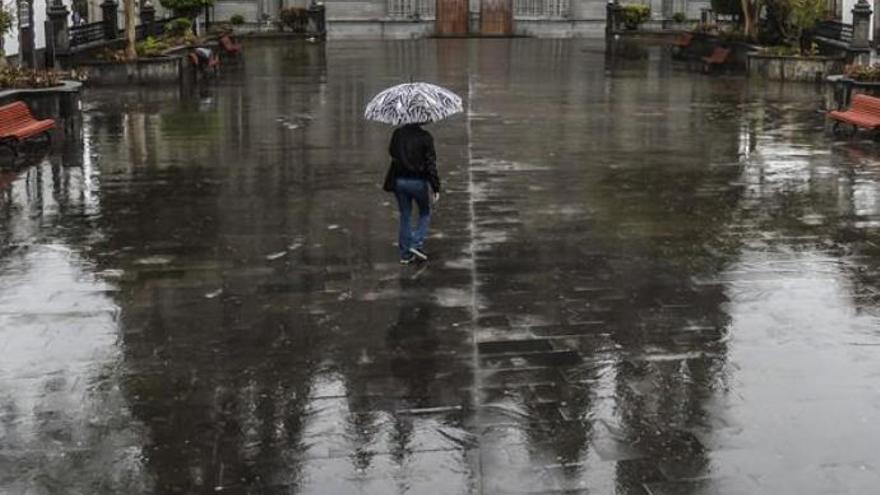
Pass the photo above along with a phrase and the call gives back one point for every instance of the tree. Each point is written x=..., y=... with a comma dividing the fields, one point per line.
x=750, y=11
x=794, y=20
x=130, y=34
x=802, y=18
x=7, y=22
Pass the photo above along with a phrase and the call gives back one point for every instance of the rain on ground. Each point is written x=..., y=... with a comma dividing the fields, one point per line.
x=644, y=281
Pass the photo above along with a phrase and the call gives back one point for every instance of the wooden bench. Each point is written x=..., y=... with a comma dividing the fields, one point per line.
x=716, y=59
x=683, y=40
x=17, y=125
x=864, y=112
x=230, y=46
x=681, y=43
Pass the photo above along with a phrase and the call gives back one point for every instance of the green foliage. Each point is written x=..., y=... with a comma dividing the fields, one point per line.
x=179, y=27
x=634, y=15
x=18, y=77
x=679, y=17
x=794, y=20
x=781, y=51
x=188, y=8
x=151, y=47
x=734, y=36
x=295, y=18
x=867, y=73
x=7, y=17
x=236, y=20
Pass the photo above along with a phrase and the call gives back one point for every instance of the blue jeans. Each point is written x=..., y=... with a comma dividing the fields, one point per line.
x=408, y=190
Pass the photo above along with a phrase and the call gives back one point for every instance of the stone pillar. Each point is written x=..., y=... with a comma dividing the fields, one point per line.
x=148, y=12
x=26, y=42
x=317, y=18
x=861, y=25
x=148, y=18
x=876, y=26
x=56, y=24
x=109, y=15
x=612, y=18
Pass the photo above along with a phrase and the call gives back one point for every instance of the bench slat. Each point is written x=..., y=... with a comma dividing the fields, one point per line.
x=17, y=122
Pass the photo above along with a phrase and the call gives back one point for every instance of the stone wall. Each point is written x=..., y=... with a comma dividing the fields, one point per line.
x=162, y=70
x=806, y=69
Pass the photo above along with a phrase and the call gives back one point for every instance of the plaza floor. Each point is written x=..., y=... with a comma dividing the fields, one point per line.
x=644, y=281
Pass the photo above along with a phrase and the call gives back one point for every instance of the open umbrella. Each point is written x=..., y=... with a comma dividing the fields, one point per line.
x=412, y=103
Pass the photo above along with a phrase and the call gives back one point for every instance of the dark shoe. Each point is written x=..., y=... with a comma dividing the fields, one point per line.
x=406, y=261
x=418, y=253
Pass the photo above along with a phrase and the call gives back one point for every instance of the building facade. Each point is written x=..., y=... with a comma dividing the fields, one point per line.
x=418, y=18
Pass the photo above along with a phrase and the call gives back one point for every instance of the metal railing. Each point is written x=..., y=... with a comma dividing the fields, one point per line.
x=93, y=32
x=835, y=30
x=155, y=28
x=411, y=9
x=553, y=9
x=86, y=33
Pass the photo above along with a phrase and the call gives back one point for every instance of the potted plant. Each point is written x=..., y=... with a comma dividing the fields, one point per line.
x=635, y=15
x=863, y=73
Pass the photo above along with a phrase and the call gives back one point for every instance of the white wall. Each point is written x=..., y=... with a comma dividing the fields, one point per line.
x=11, y=39
x=847, y=15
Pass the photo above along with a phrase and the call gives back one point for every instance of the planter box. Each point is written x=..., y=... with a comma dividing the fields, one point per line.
x=785, y=68
x=60, y=102
x=840, y=89
x=159, y=70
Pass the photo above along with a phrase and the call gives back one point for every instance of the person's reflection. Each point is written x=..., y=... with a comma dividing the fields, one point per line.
x=411, y=342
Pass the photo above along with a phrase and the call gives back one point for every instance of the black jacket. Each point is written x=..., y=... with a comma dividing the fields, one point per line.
x=412, y=155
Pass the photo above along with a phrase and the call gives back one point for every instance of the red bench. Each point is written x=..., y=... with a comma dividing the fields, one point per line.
x=864, y=112
x=17, y=125
x=230, y=46
x=716, y=59
x=683, y=41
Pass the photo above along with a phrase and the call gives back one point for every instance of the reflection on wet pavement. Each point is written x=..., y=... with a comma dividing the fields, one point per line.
x=645, y=282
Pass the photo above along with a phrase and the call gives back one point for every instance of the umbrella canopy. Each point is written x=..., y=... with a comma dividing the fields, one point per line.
x=413, y=103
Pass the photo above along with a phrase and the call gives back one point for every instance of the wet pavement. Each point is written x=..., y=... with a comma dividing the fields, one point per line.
x=644, y=281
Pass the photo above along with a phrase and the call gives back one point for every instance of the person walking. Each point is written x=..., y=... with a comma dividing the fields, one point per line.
x=412, y=175
x=413, y=178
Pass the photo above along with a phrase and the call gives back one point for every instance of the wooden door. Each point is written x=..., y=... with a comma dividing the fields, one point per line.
x=496, y=17
x=452, y=17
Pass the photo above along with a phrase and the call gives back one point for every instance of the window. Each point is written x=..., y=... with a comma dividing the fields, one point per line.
x=411, y=9
x=541, y=8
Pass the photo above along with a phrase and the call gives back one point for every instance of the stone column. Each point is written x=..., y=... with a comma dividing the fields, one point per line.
x=57, y=26
x=861, y=25
x=317, y=18
x=109, y=15
x=148, y=12
x=148, y=18
x=876, y=26
x=612, y=18
x=26, y=42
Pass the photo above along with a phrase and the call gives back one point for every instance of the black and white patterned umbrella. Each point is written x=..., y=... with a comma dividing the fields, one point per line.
x=413, y=103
